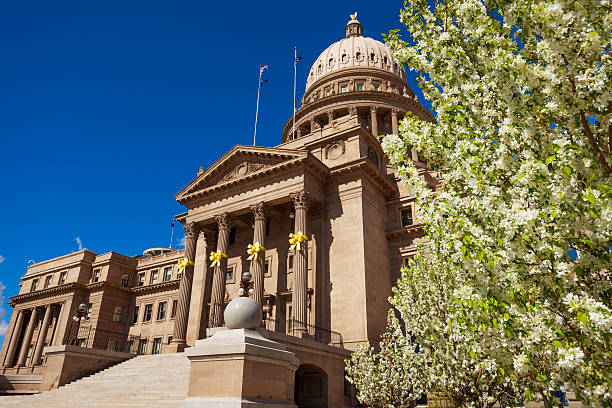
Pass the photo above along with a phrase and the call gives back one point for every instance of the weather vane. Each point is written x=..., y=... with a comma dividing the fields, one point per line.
x=354, y=16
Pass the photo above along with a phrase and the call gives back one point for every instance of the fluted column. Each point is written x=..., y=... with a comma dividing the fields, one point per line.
x=217, y=297
x=258, y=265
x=182, y=312
x=373, y=120
x=10, y=354
x=25, y=344
x=300, y=261
x=42, y=335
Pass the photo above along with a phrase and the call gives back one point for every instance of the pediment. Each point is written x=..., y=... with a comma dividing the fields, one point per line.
x=241, y=161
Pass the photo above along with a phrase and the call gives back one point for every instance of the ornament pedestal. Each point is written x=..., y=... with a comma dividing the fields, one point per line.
x=240, y=368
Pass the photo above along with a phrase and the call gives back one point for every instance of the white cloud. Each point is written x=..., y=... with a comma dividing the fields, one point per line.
x=2, y=259
x=181, y=243
x=3, y=328
x=79, y=242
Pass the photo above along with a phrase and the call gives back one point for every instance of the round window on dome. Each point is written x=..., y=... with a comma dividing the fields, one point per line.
x=320, y=68
x=331, y=62
x=385, y=60
x=372, y=57
x=344, y=58
x=358, y=56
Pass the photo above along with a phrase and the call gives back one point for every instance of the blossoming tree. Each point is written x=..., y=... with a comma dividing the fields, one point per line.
x=521, y=221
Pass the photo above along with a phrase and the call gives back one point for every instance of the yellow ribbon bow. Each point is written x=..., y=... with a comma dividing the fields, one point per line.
x=253, y=251
x=296, y=240
x=182, y=264
x=215, y=257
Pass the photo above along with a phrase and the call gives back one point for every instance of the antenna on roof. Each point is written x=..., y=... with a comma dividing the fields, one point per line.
x=172, y=231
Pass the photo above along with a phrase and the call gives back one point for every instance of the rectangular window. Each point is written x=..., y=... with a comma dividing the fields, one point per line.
x=141, y=279
x=344, y=88
x=360, y=86
x=142, y=346
x=406, y=261
x=125, y=280
x=96, y=275
x=34, y=285
x=169, y=339
x=167, y=273
x=376, y=87
x=62, y=278
x=112, y=345
x=154, y=276
x=406, y=215
x=118, y=314
x=290, y=262
x=148, y=311
x=174, y=306
x=130, y=346
x=229, y=276
x=89, y=309
x=48, y=280
x=157, y=343
x=135, y=315
x=267, y=271
x=161, y=310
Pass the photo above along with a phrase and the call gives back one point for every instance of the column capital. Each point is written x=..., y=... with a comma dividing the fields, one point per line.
x=373, y=109
x=210, y=237
x=301, y=199
x=224, y=221
x=352, y=110
x=394, y=112
x=191, y=230
x=260, y=211
x=330, y=115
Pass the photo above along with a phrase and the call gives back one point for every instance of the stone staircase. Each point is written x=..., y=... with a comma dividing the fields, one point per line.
x=150, y=381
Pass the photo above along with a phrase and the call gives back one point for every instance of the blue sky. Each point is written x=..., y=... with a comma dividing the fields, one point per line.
x=107, y=109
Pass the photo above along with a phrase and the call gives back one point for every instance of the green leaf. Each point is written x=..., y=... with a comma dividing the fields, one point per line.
x=550, y=159
x=557, y=344
x=494, y=321
x=472, y=353
x=582, y=316
x=589, y=196
x=567, y=170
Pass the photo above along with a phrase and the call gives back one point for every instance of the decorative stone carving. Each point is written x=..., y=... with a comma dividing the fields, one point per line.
x=301, y=199
x=260, y=211
x=372, y=156
x=334, y=150
x=191, y=230
x=242, y=170
x=224, y=221
x=352, y=110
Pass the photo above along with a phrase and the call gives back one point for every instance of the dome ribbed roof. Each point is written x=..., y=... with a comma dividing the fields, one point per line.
x=354, y=51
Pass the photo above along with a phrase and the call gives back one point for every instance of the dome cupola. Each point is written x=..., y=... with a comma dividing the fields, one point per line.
x=354, y=76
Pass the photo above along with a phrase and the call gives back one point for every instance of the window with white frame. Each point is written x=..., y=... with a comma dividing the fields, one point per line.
x=62, y=278
x=118, y=314
x=154, y=274
x=167, y=273
x=161, y=310
x=96, y=275
x=48, y=280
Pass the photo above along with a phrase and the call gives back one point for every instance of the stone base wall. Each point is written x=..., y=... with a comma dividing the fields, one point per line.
x=64, y=364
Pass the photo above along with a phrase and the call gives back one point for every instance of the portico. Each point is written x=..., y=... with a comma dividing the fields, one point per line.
x=252, y=195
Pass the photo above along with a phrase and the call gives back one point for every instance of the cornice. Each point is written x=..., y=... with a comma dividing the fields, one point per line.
x=53, y=291
x=364, y=165
x=411, y=231
x=143, y=290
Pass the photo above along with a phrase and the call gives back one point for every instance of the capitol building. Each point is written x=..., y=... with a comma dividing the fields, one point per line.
x=90, y=329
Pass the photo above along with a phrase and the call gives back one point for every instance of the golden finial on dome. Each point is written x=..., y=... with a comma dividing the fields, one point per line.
x=354, y=16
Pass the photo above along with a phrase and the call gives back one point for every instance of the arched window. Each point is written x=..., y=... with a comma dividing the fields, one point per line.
x=320, y=68
x=358, y=56
x=331, y=62
x=344, y=58
x=372, y=57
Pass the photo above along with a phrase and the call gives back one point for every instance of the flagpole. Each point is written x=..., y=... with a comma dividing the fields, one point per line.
x=294, y=81
x=257, y=108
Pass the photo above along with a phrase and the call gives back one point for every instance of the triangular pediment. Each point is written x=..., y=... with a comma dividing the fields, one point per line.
x=240, y=162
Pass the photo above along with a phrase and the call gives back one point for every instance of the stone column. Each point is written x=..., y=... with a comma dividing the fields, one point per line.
x=10, y=354
x=42, y=335
x=258, y=266
x=217, y=297
x=182, y=313
x=25, y=344
x=374, y=121
x=394, y=113
x=300, y=261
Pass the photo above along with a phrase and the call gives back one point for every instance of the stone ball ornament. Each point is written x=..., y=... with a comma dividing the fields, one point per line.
x=242, y=313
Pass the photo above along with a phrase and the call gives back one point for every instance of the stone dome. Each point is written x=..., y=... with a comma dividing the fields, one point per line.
x=354, y=51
